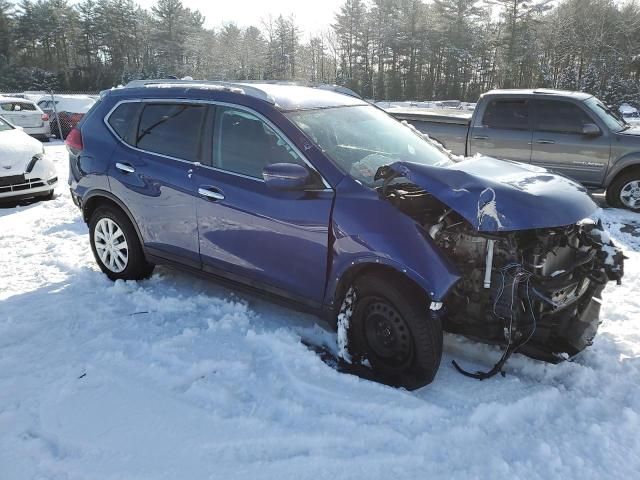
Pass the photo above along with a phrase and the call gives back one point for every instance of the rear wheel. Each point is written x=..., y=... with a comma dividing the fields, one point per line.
x=116, y=247
x=392, y=329
x=624, y=191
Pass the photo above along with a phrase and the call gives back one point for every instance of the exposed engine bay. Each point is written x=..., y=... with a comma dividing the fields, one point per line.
x=533, y=291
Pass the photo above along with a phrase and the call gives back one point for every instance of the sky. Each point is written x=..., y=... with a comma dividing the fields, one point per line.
x=312, y=16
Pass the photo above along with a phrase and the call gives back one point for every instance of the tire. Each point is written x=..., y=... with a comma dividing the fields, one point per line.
x=44, y=139
x=392, y=329
x=108, y=228
x=626, y=183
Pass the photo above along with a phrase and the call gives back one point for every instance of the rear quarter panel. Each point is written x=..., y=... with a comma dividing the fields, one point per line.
x=88, y=170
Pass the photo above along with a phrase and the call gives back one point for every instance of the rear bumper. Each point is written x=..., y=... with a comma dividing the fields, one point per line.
x=43, y=131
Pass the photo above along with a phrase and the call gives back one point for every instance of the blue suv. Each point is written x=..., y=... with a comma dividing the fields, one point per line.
x=314, y=196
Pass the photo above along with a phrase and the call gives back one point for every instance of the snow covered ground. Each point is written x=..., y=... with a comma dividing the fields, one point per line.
x=177, y=378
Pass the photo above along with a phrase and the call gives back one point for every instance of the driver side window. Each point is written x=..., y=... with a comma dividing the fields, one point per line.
x=245, y=144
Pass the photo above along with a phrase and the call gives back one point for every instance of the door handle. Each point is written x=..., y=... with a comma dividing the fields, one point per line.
x=546, y=142
x=480, y=137
x=210, y=193
x=125, y=167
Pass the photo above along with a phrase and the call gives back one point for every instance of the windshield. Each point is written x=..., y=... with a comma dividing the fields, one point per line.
x=362, y=139
x=613, y=121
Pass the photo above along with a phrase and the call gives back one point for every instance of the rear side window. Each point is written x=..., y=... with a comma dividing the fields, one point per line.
x=18, y=107
x=507, y=114
x=171, y=129
x=124, y=120
x=560, y=117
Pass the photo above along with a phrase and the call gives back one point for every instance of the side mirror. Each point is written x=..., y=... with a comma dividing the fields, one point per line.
x=590, y=130
x=285, y=176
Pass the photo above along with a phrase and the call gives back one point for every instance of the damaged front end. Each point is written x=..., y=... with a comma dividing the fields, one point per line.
x=534, y=290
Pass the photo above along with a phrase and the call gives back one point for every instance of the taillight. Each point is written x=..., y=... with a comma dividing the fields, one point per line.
x=74, y=140
x=45, y=117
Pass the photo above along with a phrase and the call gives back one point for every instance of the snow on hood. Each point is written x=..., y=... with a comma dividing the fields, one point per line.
x=633, y=130
x=498, y=195
x=16, y=150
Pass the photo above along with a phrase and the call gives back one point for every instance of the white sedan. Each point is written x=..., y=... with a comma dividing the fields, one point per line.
x=24, y=170
x=26, y=114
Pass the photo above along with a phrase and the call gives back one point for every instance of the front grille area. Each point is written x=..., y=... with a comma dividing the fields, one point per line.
x=19, y=183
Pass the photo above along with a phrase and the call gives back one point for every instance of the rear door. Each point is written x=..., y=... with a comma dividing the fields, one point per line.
x=558, y=142
x=248, y=232
x=152, y=170
x=504, y=131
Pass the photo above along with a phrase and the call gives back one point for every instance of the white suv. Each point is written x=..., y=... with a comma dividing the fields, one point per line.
x=26, y=114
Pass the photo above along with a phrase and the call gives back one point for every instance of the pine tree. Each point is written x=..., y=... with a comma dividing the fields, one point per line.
x=6, y=26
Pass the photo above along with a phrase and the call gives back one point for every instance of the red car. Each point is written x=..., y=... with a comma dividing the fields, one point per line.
x=69, y=109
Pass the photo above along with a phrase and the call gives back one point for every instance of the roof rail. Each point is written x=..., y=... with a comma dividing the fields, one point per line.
x=204, y=84
x=320, y=86
x=338, y=89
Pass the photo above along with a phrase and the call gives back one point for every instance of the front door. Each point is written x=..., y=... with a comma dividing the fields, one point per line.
x=155, y=178
x=275, y=240
x=559, y=144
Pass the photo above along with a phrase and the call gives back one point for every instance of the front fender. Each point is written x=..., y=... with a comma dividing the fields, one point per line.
x=368, y=230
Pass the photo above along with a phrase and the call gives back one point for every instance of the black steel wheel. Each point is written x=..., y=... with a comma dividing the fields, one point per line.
x=391, y=329
x=387, y=334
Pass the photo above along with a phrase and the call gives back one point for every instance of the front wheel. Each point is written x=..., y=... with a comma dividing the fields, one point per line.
x=624, y=191
x=391, y=328
x=116, y=247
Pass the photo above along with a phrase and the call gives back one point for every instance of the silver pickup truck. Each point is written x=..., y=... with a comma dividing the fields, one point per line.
x=572, y=133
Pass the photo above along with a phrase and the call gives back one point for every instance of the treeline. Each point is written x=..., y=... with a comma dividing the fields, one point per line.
x=384, y=49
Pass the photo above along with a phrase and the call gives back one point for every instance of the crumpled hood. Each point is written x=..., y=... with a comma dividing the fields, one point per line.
x=497, y=195
x=16, y=151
